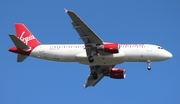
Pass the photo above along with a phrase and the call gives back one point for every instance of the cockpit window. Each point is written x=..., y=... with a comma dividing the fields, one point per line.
x=160, y=48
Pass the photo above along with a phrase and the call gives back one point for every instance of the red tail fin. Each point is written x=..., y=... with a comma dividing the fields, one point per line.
x=26, y=36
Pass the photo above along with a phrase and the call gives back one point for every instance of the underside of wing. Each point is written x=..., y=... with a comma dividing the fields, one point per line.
x=97, y=73
x=93, y=82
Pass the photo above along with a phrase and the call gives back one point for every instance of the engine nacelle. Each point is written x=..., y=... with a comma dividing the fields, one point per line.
x=110, y=48
x=117, y=73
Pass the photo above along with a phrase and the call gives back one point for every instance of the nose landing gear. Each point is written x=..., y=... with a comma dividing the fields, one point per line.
x=148, y=65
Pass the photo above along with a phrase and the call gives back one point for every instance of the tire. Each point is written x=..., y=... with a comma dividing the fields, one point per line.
x=91, y=59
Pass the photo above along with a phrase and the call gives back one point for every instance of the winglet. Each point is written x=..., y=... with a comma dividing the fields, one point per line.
x=65, y=10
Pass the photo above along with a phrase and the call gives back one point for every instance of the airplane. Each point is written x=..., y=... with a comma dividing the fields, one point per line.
x=100, y=56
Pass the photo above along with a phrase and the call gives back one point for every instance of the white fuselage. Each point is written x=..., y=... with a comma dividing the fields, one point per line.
x=77, y=53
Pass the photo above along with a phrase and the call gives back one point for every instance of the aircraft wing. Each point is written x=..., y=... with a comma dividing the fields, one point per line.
x=85, y=33
x=90, y=39
x=101, y=72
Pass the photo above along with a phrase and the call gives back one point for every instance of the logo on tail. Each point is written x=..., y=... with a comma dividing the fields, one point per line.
x=26, y=36
x=26, y=39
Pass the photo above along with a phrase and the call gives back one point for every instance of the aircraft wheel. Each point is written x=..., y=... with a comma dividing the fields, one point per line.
x=149, y=65
x=91, y=59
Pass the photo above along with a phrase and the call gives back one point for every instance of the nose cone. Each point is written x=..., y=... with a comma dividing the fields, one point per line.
x=168, y=55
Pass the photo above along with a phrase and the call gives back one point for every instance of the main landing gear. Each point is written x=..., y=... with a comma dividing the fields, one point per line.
x=148, y=65
x=91, y=59
x=94, y=73
x=91, y=56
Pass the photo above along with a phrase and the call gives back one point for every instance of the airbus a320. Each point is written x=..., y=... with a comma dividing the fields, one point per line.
x=100, y=56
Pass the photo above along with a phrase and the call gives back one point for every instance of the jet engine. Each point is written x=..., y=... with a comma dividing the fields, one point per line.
x=117, y=73
x=110, y=48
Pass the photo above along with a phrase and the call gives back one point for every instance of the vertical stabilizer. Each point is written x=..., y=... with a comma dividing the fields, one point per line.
x=24, y=42
x=26, y=36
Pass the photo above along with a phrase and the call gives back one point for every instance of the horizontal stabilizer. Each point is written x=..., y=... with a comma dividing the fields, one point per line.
x=21, y=58
x=18, y=43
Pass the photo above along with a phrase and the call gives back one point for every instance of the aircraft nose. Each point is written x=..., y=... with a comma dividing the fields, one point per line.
x=168, y=55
